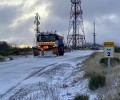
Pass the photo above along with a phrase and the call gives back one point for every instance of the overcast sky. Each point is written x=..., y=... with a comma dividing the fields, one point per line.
x=17, y=19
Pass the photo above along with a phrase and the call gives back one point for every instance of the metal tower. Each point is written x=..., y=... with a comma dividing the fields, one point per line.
x=94, y=36
x=37, y=23
x=37, y=27
x=76, y=35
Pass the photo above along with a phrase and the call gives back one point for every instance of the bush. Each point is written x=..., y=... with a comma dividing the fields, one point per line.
x=4, y=53
x=16, y=51
x=104, y=61
x=2, y=58
x=4, y=45
x=117, y=49
x=81, y=97
x=11, y=58
x=96, y=82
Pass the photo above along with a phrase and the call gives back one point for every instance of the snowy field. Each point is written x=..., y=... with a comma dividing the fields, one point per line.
x=44, y=78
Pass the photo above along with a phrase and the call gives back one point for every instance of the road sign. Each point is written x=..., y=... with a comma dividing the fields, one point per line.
x=109, y=49
x=108, y=44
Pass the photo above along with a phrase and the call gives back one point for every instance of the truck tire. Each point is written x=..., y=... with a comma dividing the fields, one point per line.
x=61, y=51
x=35, y=51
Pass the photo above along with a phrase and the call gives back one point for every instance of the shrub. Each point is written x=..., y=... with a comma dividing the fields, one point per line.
x=81, y=97
x=96, y=82
x=117, y=49
x=15, y=51
x=2, y=58
x=4, y=45
x=11, y=58
x=4, y=53
x=104, y=61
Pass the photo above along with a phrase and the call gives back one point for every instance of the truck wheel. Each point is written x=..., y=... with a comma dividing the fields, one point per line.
x=35, y=51
x=61, y=51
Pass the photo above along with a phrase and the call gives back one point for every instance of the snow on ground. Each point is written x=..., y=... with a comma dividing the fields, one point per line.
x=44, y=78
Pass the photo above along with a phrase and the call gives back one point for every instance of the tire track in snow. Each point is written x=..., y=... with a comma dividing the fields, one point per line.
x=36, y=72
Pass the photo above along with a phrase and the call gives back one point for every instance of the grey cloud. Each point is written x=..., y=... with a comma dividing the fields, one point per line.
x=58, y=19
x=55, y=23
x=97, y=8
x=61, y=8
x=7, y=14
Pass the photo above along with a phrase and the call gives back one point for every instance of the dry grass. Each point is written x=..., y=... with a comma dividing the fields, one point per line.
x=113, y=94
x=92, y=66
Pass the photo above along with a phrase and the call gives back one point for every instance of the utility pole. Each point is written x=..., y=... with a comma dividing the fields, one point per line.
x=94, y=36
x=76, y=35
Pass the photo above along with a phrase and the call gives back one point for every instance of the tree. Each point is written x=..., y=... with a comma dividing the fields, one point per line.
x=4, y=45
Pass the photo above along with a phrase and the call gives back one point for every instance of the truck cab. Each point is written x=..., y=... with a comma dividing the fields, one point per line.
x=49, y=41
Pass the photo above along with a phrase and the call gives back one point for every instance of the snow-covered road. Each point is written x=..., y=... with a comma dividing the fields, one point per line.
x=23, y=70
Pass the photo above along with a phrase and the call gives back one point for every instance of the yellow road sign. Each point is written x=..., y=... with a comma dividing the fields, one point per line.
x=109, y=49
x=108, y=44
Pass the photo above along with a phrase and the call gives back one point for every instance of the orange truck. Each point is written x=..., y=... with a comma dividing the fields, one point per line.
x=48, y=42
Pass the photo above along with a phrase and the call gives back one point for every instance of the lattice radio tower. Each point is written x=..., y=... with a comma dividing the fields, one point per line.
x=37, y=23
x=37, y=26
x=76, y=35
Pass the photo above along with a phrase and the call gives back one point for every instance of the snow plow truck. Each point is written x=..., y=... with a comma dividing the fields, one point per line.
x=48, y=41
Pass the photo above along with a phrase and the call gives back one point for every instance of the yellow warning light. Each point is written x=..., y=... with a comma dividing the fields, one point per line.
x=45, y=47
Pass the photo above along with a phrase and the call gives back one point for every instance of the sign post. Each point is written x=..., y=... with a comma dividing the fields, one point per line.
x=109, y=52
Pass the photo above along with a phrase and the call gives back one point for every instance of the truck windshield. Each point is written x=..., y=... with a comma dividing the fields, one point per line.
x=46, y=38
